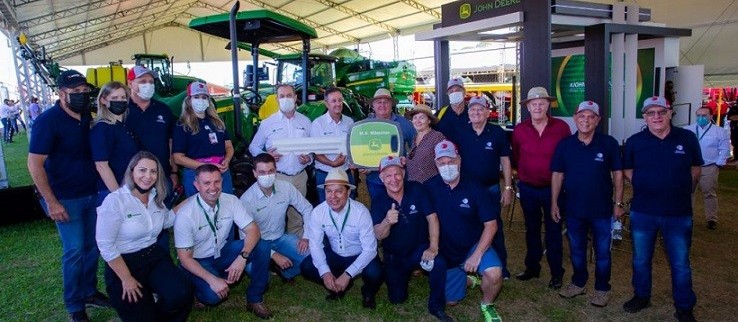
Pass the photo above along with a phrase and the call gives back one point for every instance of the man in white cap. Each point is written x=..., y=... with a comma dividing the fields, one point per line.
x=406, y=223
x=457, y=117
x=383, y=104
x=468, y=224
x=288, y=123
x=663, y=163
x=533, y=144
x=584, y=167
x=352, y=245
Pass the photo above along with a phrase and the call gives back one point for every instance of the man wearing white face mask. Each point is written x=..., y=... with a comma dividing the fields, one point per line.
x=450, y=121
x=267, y=201
x=288, y=123
x=468, y=220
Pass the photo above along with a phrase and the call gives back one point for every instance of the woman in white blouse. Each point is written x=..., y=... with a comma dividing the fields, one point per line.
x=128, y=222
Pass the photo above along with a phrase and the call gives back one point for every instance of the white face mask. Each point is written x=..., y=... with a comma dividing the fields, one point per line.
x=286, y=104
x=456, y=98
x=146, y=91
x=266, y=181
x=449, y=172
x=200, y=105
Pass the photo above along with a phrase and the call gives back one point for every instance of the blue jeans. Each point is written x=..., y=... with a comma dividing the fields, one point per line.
x=257, y=268
x=577, y=229
x=677, y=234
x=287, y=246
x=320, y=179
x=498, y=243
x=7, y=129
x=371, y=275
x=397, y=270
x=188, y=179
x=456, y=276
x=536, y=205
x=79, y=250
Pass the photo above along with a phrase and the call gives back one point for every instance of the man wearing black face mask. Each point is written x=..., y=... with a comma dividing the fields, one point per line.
x=61, y=166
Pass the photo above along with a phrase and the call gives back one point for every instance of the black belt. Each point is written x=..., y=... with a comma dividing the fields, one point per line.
x=291, y=175
x=709, y=165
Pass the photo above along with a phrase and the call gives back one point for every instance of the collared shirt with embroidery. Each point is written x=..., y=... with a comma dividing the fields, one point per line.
x=326, y=126
x=270, y=212
x=278, y=126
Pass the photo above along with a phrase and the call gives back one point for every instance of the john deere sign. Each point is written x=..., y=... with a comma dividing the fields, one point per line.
x=465, y=11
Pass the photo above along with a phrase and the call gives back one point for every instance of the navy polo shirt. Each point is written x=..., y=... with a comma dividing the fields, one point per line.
x=411, y=229
x=115, y=144
x=662, y=180
x=65, y=140
x=153, y=129
x=480, y=154
x=587, y=174
x=199, y=145
x=462, y=212
x=450, y=123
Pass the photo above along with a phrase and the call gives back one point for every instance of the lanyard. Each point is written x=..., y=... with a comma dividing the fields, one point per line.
x=340, y=232
x=697, y=131
x=212, y=224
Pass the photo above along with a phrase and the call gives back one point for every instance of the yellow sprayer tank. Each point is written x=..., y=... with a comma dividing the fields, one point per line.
x=101, y=75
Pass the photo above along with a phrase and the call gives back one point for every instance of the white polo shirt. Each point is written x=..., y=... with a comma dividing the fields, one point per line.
x=204, y=228
x=270, y=212
x=125, y=225
x=326, y=126
x=279, y=126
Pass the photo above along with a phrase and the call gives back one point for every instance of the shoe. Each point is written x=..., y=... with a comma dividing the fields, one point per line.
x=98, y=300
x=489, y=312
x=555, y=283
x=260, y=310
x=712, y=225
x=636, y=304
x=600, y=298
x=505, y=274
x=369, y=302
x=528, y=274
x=572, y=290
x=334, y=296
x=684, y=315
x=475, y=280
x=79, y=316
x=442, y=316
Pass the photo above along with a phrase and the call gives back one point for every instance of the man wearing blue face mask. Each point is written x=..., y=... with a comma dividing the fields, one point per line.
x=715, y=146
x=288, y=123
x=267, y=201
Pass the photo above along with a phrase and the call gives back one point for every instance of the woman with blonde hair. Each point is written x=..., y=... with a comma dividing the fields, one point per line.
x=111, y=143
x=128, y=223
x=200, y=137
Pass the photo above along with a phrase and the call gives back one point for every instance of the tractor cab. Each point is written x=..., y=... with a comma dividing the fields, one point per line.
x=321, y=73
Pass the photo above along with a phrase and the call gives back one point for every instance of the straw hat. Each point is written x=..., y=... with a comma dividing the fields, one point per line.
x=536, y=93
x=421, y=108
x=337, y=176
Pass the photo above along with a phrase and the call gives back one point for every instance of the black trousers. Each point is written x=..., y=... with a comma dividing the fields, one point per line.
x=153, y=268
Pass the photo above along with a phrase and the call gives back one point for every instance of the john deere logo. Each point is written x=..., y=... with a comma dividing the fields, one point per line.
x=375, y=144
x=465, y=11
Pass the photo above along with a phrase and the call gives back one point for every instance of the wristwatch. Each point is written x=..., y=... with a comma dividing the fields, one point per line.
x=245, y=255
x=508, y=187
x=620, y=204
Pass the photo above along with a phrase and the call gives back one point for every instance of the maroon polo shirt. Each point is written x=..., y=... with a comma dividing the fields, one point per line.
x=533, y=152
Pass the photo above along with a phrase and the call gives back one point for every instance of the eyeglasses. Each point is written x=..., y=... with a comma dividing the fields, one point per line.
x=653, y=113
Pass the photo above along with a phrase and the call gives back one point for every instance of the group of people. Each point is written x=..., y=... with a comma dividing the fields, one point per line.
x=107, y=183
x=11, y=113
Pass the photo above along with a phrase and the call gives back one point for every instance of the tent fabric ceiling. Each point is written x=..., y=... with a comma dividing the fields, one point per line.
x=75, y=31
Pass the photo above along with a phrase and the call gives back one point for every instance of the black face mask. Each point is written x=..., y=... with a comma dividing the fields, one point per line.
x=142, y=190
x=118, y=107
x=79, y=102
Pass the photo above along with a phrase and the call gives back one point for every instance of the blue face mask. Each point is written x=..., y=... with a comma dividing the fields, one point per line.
x=703, y=120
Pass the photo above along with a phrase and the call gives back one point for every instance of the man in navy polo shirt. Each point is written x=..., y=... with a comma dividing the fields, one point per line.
x=487, y=144
x=407, y=225
x=468, y=219
x=60, y=163
x=663, y=163
x=455, y=116
x=585, y=165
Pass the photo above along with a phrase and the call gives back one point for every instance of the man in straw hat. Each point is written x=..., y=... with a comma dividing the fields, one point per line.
x=406, y=223
x=533, y=144
x=352, y=246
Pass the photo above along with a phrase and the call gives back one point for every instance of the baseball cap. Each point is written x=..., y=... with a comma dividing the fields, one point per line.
x=446, y=148
x=389, y=161
x=455, y=82
x=70, y=79
x=655, y=101
x=138, y=71
x=478, y=100
x=197, y=88
x=588, y=106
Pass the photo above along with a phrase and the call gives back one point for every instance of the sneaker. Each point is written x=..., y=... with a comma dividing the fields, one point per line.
x=489, y=312
x=475, y=280
x=684, y=315
x=442, y=316
x=600, y=298
x=572, y=290
x=712, y=225
x=79, y=316
x=98, y=300
x=527, y=275
x=636, y=304
x=555, y=282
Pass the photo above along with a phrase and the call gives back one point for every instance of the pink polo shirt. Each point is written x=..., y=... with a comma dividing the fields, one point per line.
x=533, y=152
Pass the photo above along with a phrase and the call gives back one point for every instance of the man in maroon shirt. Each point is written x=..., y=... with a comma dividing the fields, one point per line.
x=533, y=143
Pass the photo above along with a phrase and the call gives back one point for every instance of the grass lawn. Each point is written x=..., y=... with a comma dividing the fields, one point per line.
x=16, y=156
